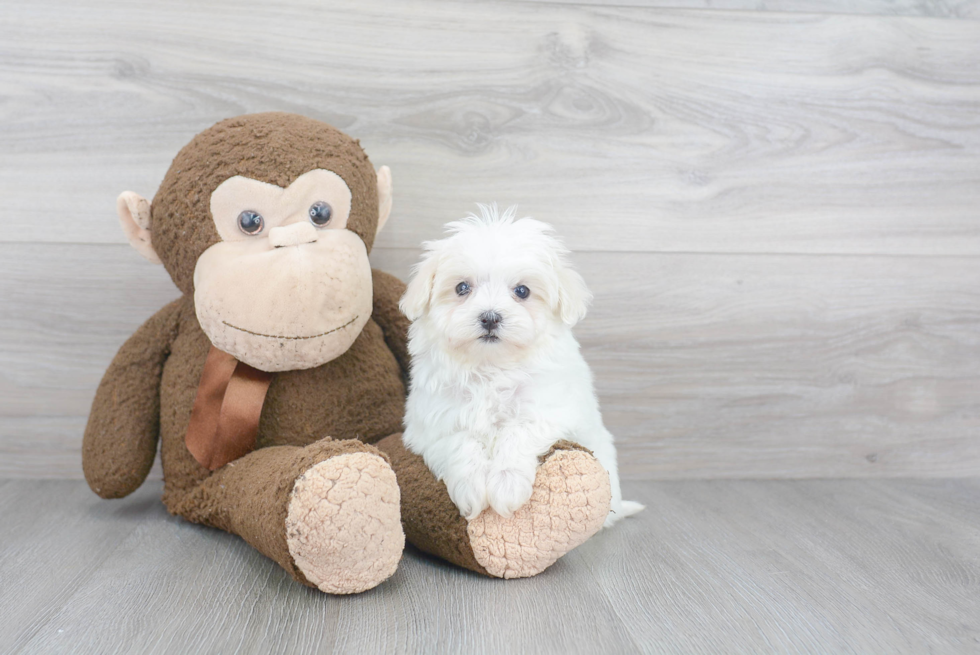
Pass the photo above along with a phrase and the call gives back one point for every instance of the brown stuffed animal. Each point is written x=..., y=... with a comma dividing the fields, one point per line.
x=285, y=358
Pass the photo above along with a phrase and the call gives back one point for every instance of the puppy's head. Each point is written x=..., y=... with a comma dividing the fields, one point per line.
x=494, y=287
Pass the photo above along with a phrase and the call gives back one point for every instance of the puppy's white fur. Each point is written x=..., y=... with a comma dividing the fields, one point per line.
x=484, y=404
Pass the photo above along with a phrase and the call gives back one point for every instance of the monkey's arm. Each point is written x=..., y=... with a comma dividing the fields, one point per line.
x=120, y=441
x=388, y=290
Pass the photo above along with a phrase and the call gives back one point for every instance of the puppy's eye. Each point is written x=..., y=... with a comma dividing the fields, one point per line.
x=320, y=213
x=522, y=292
x=250, y=222
x=462, y=289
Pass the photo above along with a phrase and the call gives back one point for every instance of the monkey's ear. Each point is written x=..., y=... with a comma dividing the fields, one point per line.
x=417, y=296
x=134, y=216
x=384, y=196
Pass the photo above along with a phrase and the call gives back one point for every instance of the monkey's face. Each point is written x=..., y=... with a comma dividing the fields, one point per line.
x=267, y=219
x=288, y=286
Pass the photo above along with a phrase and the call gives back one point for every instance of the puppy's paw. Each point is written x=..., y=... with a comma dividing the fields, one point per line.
x=508, y=489
x=469, y=494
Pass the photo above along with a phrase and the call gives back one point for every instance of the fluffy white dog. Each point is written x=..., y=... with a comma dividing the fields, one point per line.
x=497, y=376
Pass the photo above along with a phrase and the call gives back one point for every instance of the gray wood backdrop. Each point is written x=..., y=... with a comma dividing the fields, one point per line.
x=778, y=210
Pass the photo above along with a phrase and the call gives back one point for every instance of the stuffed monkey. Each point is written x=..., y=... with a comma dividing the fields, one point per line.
x=276, y=383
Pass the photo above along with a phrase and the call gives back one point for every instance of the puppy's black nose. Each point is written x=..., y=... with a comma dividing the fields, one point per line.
x=490, y=320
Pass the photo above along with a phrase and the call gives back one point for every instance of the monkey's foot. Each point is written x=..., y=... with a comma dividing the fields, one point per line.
x=569, y=504
x=343, y=526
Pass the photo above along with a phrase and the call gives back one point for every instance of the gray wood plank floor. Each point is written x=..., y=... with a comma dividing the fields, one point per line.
x=841, y=566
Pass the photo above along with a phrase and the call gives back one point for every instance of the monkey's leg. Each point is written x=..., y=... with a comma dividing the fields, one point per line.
x=328, y=513
x=569, y=503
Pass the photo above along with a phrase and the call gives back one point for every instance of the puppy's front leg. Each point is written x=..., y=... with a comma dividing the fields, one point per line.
x=461, y=462
x=509, y=487
x=513, y=467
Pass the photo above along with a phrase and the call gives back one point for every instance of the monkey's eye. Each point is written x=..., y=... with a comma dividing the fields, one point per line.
x=462, y=289
x=522, y=291
x=250, y=222
x=320, y=213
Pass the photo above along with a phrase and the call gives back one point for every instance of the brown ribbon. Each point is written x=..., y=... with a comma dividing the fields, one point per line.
x=225, y=418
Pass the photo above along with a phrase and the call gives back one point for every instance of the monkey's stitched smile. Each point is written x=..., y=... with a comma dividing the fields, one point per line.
x=274, y=336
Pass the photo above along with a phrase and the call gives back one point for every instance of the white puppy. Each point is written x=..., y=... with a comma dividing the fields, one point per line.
x=497, y=376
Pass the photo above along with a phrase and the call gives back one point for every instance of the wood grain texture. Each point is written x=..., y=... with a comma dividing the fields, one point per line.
x=706, y=365
x=54, y=538
x=708, y=567
x=963, y=9
x=779, y=211
x=830, y=566
x=630, y=128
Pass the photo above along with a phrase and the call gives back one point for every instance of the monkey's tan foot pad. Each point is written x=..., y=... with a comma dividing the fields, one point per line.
x=343, y=526
x=569, y=504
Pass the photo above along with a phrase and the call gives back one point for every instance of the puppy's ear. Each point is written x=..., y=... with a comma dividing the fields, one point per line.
x=573, y=296
x=417, y=296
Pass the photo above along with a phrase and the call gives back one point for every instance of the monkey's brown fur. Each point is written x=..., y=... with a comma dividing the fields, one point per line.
x=273, y=147
x=308, y=416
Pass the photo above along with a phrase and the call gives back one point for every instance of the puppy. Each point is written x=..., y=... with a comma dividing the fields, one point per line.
x=497, y=376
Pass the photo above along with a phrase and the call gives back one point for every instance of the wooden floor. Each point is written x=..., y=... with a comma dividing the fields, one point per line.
x=828, y=566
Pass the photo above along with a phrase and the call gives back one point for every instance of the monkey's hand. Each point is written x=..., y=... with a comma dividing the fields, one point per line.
x=120, y=439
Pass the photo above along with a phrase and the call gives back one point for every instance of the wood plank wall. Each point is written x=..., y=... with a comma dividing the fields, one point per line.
x=778, y=211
